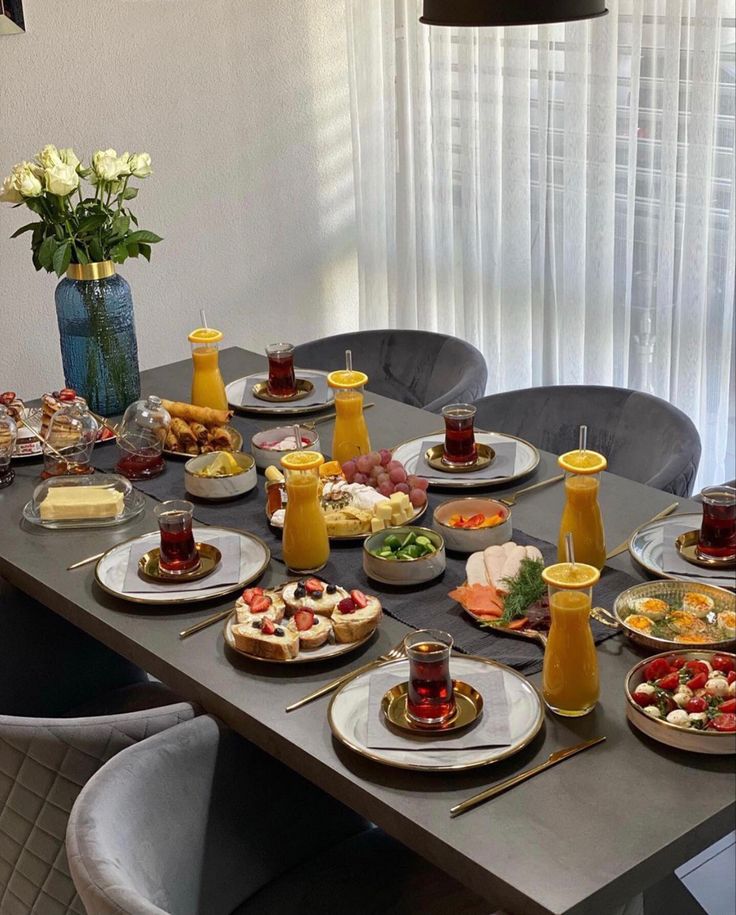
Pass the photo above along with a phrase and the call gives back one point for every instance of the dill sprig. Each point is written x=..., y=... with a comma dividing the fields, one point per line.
x=526, y=588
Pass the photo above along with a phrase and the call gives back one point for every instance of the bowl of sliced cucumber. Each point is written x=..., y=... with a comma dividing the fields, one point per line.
x=404, y=555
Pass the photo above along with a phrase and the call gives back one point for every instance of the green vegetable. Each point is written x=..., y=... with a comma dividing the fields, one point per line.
x=410, y=538
x=410, y=548
x=391, y=542
x=524, y=590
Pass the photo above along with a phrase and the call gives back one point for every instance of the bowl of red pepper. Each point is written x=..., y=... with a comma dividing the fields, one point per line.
x=473, y=523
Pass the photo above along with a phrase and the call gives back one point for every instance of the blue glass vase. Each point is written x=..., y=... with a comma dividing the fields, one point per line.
x=99, y=350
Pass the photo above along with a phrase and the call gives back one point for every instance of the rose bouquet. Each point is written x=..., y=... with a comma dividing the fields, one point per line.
x=75, y=227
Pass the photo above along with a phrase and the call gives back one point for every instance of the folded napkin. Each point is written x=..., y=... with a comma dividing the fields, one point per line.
x=503, y=465
x=226, y=573
x=320, y=394
x=490, y=730
x=673, y=564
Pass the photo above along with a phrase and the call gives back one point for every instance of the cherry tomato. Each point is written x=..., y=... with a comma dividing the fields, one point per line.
x=677, y=662
x=728, y=707
x=697, y=667
x=642, y=699
x=696, y=704
x=724, y=723
x=723, y=663
x=731, y=677
x=67, y=394
x=670, y=682
x=698, y=681
x=656, y=669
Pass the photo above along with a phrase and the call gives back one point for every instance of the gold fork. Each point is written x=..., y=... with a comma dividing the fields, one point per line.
x=511, y=500
x=393, y=654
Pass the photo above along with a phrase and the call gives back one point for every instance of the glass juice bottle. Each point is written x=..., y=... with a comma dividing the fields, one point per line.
x=305, y=541
x=208, y=388
x=570, y=672
x=582, y=513
x=350, y=437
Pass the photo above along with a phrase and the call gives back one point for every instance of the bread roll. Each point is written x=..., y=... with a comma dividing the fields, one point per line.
x=352, y=627
x=251, y=640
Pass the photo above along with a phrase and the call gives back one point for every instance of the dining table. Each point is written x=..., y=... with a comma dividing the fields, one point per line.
x=585, y=836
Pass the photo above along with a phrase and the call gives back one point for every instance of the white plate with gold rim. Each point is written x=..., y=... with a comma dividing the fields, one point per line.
x=349, y=709
x=235, y=392
x=526, y=460
x=111, y=569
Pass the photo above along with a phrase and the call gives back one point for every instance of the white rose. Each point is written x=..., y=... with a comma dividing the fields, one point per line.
x=108, y=165
x=25, y=180
x=140, y=165
x=61, y=179
x=68, y=157
x=9, y=193
x=48, y=157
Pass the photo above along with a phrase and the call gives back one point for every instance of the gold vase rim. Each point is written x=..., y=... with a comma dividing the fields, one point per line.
x=96, y=271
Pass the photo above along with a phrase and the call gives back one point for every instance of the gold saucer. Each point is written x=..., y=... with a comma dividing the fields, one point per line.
x=687, y=546
x=468, y=708
x=435, y=457
x=209, y=559
x=303, y=389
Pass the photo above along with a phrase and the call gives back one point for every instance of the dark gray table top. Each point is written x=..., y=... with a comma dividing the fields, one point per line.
x=587, y=835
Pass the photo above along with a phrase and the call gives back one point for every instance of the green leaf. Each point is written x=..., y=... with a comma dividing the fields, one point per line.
x=26, y=228
x=145, y=251
x=145, y=236
x=34, y=204
x=129, y=193
x=95, y=250
x=46, y=252
x=62, y=256
x=133, y=249
x=132, y=218
x=120, y=224
x=90, y=223
x=82, y=257
x=119, y=253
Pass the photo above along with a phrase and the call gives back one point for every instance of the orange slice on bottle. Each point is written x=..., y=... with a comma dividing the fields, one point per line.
x=205, y=335
x=571, y=575
x=302, y=460
x=582, y=461
x=346, y=380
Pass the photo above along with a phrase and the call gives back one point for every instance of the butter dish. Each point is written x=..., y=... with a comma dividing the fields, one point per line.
x=92, y=500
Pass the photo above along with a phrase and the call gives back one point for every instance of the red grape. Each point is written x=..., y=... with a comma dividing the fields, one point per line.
x=397, y=475
x=364, y=463
x=417, y=497
x=383, y=478
x=385, y=456
x=402, y=487
x=360, y=478
x=386, y=489
x=421, y=483
x=394, y=465
x=349, y=469
x=375, y=458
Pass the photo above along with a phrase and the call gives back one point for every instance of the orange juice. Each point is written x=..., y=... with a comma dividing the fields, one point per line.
x=570, y=678
x=208, y=388
x=582, y=517
x=350, y=437
x=305, y=542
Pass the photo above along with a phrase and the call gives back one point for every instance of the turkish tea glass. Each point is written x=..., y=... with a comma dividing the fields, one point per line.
x=717, y=538
x=460, y=449
x=178, y=552
x=430, y=699
x=281, y=377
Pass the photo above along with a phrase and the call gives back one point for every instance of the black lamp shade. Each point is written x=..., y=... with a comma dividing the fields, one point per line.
x=509, y=12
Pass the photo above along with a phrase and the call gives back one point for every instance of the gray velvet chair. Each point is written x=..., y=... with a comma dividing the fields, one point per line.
x=198, y=821
x=414, y=366
x=644, y=438
x=67, y=705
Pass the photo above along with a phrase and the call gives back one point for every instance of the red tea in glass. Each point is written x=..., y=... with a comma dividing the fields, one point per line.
x=718, y=529
x=430, y=694
x=178, y=552
x=460, y=447
x=281, y=377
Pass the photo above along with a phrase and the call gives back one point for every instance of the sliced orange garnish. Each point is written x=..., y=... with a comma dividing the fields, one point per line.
x=582, y=461
x=571, y=575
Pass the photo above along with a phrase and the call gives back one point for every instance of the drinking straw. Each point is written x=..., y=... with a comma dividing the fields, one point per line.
x=569, y=549
x=298, y=437
x=583, y=439
x=348, y=360
x=204, y=319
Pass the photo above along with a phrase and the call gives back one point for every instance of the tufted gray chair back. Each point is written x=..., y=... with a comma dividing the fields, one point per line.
x=417, y=367
x=644, y=437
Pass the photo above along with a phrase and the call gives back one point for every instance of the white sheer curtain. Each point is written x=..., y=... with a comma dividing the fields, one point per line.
x=562, y=196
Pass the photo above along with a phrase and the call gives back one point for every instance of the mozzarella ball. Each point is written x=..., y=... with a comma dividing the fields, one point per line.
x=732, y=689
x=717, y=686
x=698, y=719
x=717, y=673
x=682, y=698
x=652, y=711
x=679, y=717
x=649, y=689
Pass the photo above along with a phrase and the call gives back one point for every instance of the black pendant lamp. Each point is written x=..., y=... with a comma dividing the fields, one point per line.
x=509, y=12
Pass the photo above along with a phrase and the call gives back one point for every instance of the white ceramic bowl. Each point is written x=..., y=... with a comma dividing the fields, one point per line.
x=462, y=541
x=264, y=457
x=218, y=489
x=406, y=571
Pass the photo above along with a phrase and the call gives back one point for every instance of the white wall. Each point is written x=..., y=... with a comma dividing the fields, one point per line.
x=243, y=106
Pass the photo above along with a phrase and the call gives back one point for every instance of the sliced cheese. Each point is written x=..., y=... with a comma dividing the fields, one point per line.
x=71, y=503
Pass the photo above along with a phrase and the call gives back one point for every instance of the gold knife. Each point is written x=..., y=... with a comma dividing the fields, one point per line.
x=207, y=621
x=552, y=760
x=83, y=562
x=622, y=547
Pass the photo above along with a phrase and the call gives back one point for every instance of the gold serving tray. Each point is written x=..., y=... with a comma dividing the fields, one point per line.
x=209, y=559
x=304, y=388
x=687, y=546
x=468, y=708
x=238, y=446
x=434, y=456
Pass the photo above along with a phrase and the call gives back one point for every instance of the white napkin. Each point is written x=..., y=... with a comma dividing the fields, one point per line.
x=490, y=730
x=503, y=465
x=320, y=394
x=226, y=573
x=674, y=564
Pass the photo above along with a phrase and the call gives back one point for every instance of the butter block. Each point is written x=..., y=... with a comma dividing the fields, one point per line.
x=81, y=503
